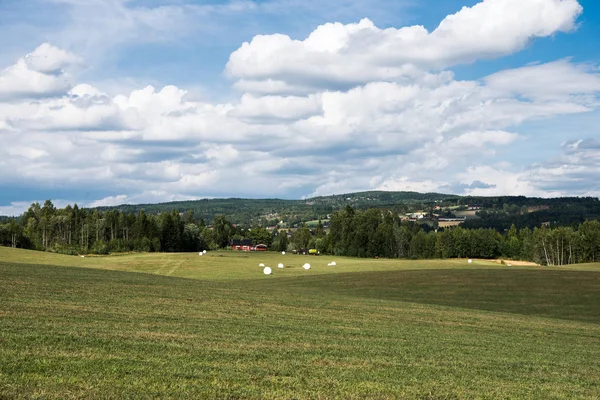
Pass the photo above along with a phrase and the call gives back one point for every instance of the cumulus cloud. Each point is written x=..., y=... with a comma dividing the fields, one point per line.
x=576, y=170
x=500, y=180
x=42, y=73
x=48, y=59
x=277, y=108
x=346, y=55
x=352, y=107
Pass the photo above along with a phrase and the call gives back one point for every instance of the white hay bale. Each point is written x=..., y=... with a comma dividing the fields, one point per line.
x=267, y=271
x=306, y=266
x=333, y=263
x=283, y=253
x=261, y=265
x=470, y=261
x=204, y=251
x=280, y=265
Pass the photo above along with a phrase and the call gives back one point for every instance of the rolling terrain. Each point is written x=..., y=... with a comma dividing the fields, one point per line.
x=184, y=326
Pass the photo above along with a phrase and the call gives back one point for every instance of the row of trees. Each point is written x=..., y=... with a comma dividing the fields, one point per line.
x=374, y=233
x=369, y=233
x=74, y=230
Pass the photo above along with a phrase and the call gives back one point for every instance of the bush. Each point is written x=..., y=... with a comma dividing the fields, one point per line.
x=100, y=247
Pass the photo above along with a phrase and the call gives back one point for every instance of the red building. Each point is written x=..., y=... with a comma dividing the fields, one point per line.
x=246, y=245
x=242, y=245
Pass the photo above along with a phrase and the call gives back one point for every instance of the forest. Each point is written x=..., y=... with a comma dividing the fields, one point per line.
x=293, y=212
x=372, y=232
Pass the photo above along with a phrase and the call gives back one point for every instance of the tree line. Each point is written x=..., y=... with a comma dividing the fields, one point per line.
x=499, y=212
x=377, y=233
x=369, y=233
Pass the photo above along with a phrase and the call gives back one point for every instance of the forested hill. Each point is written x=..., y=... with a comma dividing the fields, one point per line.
x=499, y=212
x=368, y=224
x=250, y=211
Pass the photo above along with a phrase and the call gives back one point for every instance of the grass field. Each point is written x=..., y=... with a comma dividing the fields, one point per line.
x=469, y=214
x=184, y=326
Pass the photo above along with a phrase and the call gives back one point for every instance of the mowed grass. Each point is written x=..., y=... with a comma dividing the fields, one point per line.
x=232, y=265
x=216, y=327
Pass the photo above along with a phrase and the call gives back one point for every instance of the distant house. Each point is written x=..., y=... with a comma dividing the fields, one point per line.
x=416, y=215
x=241, y=244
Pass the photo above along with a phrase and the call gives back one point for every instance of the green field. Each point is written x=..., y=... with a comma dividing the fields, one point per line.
x=314, y=223
x=184, y=326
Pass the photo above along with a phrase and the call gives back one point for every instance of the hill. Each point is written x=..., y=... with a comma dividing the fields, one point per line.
x=253, y=211
x=366, y=224
x=92, y=328
x=500, y=211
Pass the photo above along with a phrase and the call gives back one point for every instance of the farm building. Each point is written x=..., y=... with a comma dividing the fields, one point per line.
x=260, y=247
x=241, y=244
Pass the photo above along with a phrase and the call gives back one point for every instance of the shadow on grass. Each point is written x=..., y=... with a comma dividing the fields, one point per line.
x=572, y=295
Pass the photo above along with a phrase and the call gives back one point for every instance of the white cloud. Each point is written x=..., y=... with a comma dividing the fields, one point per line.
x=357, y=53
x=48, y=59
x=392, y=125
x=554, y=80
x=15, y=208
x=271, y=87
x=473, y=140
x=406, y=184
x=153, y=196
x=43, y=72
x=502, y=181
x=30, y=153
x=276, y=108
x=576, y=170
x=110, y=201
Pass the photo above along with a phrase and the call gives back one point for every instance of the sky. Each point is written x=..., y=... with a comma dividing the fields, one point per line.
x=106, y=102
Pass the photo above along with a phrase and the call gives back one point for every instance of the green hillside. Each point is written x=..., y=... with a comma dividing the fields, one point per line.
x=252, y=211
x=74, y=327
x=499, y=211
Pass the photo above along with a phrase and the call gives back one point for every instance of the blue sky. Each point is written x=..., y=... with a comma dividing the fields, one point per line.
x=105, y=102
